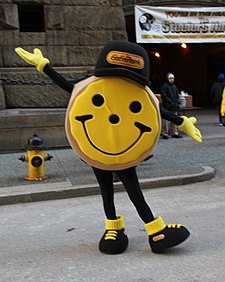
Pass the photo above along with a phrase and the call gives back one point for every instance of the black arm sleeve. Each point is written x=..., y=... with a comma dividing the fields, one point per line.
x=58, y=79
x=170, y=117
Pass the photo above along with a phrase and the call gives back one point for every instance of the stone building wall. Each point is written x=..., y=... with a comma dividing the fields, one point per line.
x=74, y=32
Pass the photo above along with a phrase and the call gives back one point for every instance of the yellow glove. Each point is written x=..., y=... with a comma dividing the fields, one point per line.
x=188, y=127
x=36, y=59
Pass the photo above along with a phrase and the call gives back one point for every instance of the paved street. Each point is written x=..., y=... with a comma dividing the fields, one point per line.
x=58, y=240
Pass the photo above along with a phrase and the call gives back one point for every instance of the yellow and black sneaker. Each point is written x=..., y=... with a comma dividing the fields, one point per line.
x=114, y=240
x=162, y=236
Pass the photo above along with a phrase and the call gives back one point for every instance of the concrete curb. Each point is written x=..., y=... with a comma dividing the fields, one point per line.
x=63, y=190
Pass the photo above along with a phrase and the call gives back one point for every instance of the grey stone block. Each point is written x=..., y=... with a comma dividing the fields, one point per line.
x=38, y=96
x=94, y=18
x=83, y=56
x=63, y=38
x=33, y=1
x=7, y=37
x=54, y=17
x=85, y=3
x=23, y=39
x=119, y=35
x=28, y=88
x=2, y=98
x=95, y=37
x=18, y=125
x=9, y=16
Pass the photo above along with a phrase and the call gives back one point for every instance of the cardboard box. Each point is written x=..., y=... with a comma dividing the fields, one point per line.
x=188, y=101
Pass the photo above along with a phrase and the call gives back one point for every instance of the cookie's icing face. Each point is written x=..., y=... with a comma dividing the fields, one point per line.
x=113, y=121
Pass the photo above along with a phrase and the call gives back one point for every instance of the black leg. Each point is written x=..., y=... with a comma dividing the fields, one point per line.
x=130, y=181
x=105, y=181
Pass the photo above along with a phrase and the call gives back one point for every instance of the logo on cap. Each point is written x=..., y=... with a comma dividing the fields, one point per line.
x=125, y=59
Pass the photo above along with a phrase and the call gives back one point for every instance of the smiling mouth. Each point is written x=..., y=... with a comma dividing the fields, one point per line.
x=143, y=128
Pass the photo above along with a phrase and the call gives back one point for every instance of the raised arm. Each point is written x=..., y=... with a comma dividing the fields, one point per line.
x=43, y=64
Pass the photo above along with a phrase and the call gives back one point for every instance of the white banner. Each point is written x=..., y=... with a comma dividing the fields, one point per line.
x=176, y=25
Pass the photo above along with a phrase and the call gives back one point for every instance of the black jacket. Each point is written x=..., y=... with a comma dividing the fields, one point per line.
x=170, y=97
x=216, y=92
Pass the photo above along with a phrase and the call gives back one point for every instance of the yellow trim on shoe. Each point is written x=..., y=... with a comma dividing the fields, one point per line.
x=111, y=235
x=116, y=224
x=155, y=226
x=174, y=225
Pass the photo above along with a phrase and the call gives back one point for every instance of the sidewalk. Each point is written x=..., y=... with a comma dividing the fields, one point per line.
x=175, y=162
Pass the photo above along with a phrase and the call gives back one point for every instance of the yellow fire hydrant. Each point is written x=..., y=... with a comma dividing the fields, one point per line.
x=35, y=157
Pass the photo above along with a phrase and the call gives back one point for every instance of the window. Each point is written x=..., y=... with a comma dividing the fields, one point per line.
x=31, y=18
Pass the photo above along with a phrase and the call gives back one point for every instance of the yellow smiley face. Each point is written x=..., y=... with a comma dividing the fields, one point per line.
x=112, y=123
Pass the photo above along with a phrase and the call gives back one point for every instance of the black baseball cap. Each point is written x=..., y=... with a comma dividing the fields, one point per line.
x=126, y=59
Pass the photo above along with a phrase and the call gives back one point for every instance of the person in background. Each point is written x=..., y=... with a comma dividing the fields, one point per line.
x=216, y=94
x=170, y=101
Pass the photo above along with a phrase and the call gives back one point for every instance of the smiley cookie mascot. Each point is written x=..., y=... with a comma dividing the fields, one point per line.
x=113, y=122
